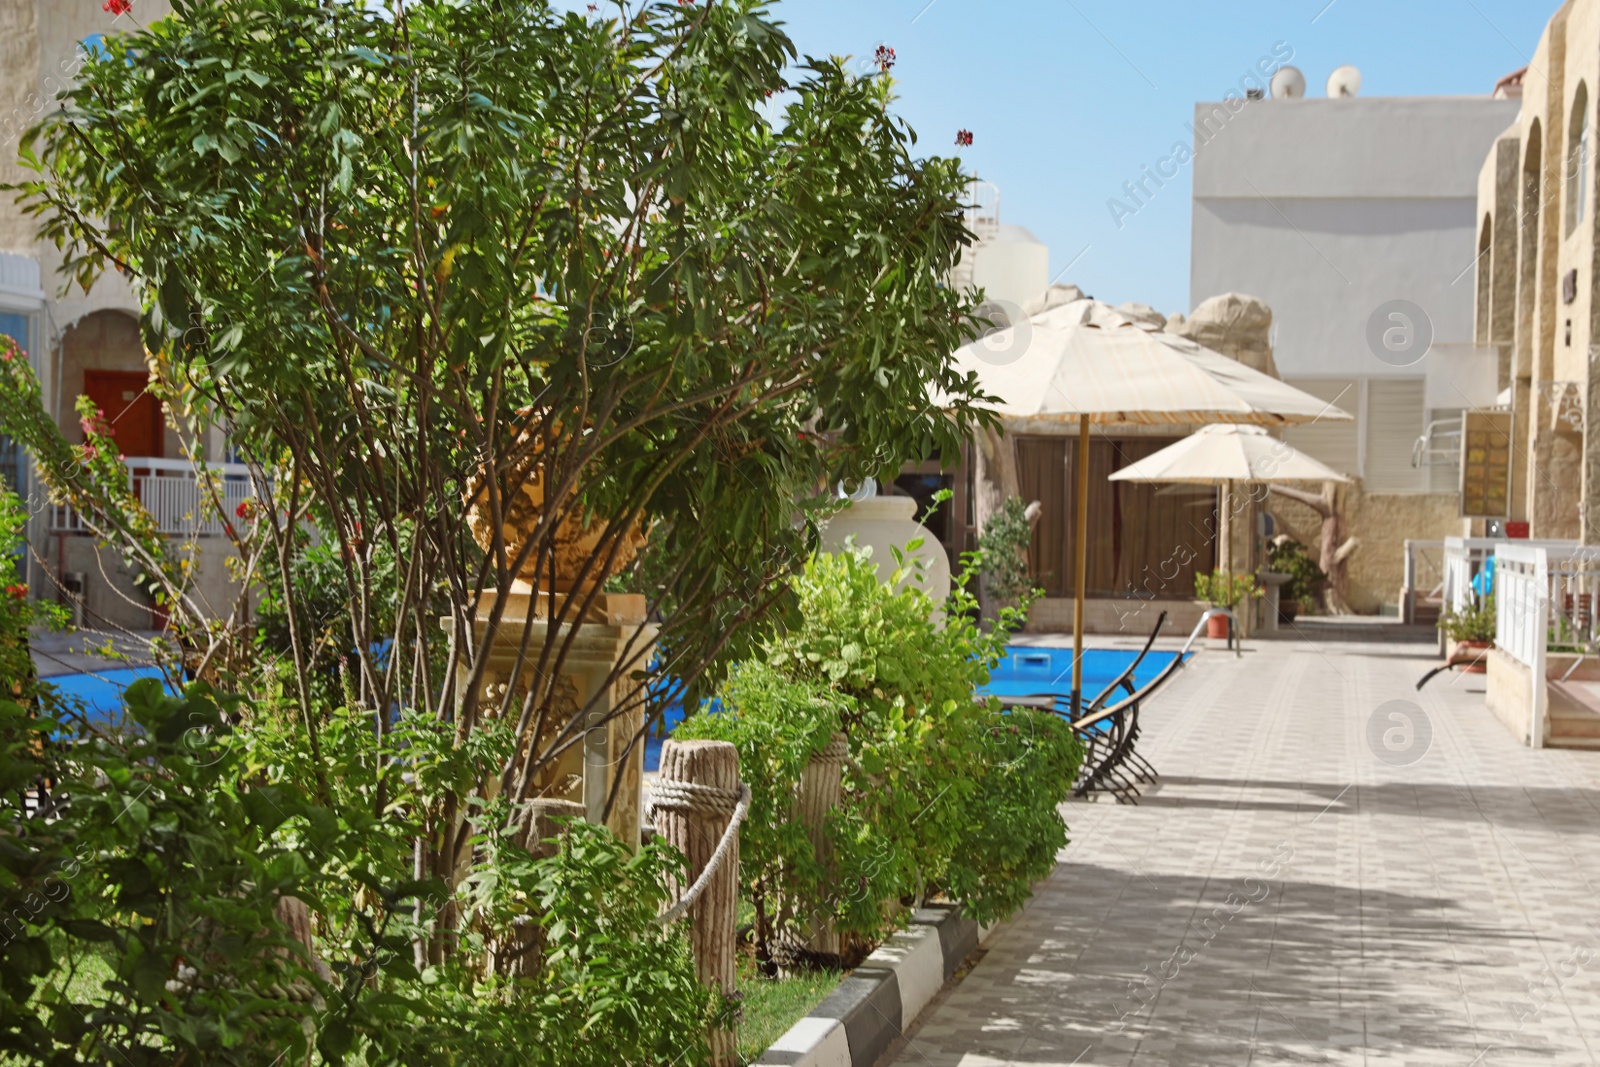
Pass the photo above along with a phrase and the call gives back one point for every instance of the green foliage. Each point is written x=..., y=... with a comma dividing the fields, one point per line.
x=1224, y=590
x=944, y=793
x=1288, y=556
x=172, y=846
x=1475, y=622
x=1004, y=551
x=507, y=242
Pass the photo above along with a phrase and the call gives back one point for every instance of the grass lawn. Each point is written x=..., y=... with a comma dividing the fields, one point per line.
x=772, y=1005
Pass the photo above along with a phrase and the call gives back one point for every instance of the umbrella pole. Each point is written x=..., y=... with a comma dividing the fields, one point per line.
x=1081, y=564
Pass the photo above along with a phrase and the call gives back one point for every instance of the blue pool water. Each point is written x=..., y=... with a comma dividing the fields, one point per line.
x=1023, y=672
x=99, y=695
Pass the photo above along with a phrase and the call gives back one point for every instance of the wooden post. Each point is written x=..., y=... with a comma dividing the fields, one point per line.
x=816, y=941
x=1080, y=568
x=695, y=828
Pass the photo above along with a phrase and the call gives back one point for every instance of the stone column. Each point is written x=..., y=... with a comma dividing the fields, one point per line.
x=692, y=820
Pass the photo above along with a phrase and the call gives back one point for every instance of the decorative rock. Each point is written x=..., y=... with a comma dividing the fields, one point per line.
x=1144, y=314
x=1238, y=326
x=1052, y=297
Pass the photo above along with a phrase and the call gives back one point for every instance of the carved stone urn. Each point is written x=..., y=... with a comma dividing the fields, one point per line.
x=576, y=536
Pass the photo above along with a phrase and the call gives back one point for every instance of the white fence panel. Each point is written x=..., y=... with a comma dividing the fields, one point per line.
x=176, y=495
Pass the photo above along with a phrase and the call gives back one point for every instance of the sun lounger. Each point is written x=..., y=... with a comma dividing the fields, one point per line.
x=1110, y=732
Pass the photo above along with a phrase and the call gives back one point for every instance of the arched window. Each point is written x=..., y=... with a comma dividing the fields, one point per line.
x=1485, y=279
x=1577, y=178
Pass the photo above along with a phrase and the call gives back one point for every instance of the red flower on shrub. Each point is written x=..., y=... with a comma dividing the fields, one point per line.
x=117, y=7
x=18, y=591
x=964, y=138
x=884, y=58
x=243, y=510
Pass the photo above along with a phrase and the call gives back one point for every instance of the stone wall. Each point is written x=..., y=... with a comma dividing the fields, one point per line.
x=1382, y=523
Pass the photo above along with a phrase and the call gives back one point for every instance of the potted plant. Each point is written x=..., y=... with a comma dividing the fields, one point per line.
x=1223, y=590
x=1299, y=593
x=1472, y=630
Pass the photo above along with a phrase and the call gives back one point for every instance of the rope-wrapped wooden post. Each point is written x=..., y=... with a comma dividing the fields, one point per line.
x=694, y=802
x=812, y=940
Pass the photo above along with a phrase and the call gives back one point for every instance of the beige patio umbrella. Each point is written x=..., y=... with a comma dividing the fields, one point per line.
x=1226, y=455
x=1086, y=362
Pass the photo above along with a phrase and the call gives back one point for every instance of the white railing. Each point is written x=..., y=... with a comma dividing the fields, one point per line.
x=1424, y=576
x=1521, y=621
x=1546, y=599
x=176, y=497
x=1465, y=558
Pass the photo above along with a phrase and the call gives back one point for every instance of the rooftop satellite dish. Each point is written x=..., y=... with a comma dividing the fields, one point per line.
x=1288, y=84
x=1344, y=83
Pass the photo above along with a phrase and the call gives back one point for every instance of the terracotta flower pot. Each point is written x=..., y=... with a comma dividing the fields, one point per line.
x=1288, y=611
x=1466, y=648
x=1217, y=627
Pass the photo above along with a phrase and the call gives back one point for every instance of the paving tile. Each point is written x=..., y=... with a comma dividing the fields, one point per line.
x=1284, y=896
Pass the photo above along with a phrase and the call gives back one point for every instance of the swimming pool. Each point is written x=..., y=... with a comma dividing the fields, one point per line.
x=1022, y=672
x=99, y=695
x=1049, y=670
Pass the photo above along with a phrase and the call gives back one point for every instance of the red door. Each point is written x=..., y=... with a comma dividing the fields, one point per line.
x=132, y=413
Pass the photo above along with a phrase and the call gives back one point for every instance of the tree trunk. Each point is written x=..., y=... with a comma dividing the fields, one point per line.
x=1334, y=549
x=695, y=828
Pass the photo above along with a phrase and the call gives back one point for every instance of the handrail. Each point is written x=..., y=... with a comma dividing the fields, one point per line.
x=1201, y=625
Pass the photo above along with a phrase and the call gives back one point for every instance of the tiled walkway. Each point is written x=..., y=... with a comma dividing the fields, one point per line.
x=1303, y=889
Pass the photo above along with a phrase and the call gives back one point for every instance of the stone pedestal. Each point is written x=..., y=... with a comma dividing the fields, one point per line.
x=613, y=630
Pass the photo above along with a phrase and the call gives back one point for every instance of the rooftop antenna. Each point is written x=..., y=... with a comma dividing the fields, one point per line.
x=1344, y=83
x=1288, y=84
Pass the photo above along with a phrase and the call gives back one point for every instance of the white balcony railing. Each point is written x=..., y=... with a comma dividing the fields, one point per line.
x=1547, y=598
x=175, y=496
x=1465, y=558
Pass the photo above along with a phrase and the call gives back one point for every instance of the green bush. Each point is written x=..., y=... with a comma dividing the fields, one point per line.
x=1306, y=579
x=142, y=924
x=1003, y=548
x=1223, y=590
x=1475, y=622
x=944, y=794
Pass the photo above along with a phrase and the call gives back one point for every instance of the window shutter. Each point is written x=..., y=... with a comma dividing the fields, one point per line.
x=1335, y=443
x=1396, y=417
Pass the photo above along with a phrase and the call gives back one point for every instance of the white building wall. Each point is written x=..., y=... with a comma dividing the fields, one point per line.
x=1329, y=209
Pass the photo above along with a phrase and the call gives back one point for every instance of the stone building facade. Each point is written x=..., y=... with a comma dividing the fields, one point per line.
x=1538, y=254
x=81, y=343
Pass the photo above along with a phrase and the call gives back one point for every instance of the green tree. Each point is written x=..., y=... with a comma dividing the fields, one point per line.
x=416, y=258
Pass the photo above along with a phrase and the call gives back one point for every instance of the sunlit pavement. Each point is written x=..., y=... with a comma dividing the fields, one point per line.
x=1320, y=877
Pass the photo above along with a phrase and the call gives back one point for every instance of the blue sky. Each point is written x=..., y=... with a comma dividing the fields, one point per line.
x=1066, y=99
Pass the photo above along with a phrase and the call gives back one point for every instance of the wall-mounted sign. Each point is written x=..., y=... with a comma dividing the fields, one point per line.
x=1485, y=464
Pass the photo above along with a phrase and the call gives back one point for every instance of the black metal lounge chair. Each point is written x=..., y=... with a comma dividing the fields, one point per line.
x=1110, y=732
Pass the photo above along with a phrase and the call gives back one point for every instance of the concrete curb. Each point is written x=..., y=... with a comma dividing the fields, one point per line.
x=874, y=1004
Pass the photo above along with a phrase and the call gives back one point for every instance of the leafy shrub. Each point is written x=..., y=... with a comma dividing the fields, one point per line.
x=143, y=922
x=944, y=794
x=1003, y=548
x=1306, y=579
x=1475, y=622
x=1224, y=590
